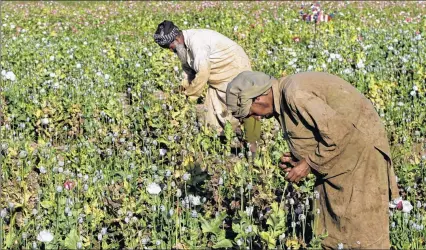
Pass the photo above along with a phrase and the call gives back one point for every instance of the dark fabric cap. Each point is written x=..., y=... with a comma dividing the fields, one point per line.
x=166, y=33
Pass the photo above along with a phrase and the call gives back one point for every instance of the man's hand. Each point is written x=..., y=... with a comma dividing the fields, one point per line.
x=287, y=161
x=185, y=83
x=295, y=170
x=181, y=89
x=253, y=147
x=192, y=99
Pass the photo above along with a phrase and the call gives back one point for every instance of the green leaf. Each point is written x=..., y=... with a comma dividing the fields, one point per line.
x=268, y=239
x=11, y=235
x=47, y=204
x=225, y=243
x=212, y=226
x=162, y=140
x=71, y=239
x=237, y=228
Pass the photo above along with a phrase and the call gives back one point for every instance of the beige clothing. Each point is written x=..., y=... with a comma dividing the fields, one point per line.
x=217, y=60
x=336, y=129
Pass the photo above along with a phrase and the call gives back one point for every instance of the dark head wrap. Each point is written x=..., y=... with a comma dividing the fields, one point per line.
x=166, y=33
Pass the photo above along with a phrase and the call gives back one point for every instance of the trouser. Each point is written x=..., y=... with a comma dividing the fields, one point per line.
x=252, y=129
x=354, y=206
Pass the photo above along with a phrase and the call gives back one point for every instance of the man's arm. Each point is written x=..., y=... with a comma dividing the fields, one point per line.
x=190, y=73
x=202, y=69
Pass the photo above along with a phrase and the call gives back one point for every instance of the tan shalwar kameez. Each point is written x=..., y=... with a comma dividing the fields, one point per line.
x=217, y=61
x=336, y=129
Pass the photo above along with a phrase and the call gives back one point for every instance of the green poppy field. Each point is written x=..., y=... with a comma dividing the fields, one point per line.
x=99, y=148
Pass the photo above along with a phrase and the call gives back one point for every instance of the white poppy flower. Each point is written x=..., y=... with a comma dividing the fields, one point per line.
x=249, y=210
x=163, y=151
x=44, y=121
x=45, y=236
x=153, y=188
x=178, y=193
x=195, y=200
x=406, y=206
x=10, y=76
x=186, y=176
x=3, y=213
x=239, y=242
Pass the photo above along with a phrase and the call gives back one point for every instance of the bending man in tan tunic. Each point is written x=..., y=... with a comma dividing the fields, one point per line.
x=335, y=132
x=209, y=57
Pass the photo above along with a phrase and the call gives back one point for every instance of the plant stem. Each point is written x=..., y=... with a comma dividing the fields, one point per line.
x=1, y=233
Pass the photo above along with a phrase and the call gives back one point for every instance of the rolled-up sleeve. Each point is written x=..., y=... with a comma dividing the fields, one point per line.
x=333, y=129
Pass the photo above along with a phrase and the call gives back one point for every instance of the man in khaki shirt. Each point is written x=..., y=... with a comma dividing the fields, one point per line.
x=209, y=57
x=335, y=132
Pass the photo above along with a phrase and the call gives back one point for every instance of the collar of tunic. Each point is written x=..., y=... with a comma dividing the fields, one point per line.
x=277, y=88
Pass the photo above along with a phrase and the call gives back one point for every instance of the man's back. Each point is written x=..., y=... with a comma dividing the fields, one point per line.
x=344, y=99
x=227, y=59
x=213, y=39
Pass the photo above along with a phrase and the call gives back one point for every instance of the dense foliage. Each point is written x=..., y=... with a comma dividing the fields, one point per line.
x=100, y=149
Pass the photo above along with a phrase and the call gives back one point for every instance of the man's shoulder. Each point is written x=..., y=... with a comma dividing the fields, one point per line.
x=308, y=76
x=199, y=31
x=311, y=80
x=204, y=34
x=295, y=85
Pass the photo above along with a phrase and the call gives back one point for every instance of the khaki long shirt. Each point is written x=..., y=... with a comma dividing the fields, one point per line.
x=329, y=123
x=216, y=59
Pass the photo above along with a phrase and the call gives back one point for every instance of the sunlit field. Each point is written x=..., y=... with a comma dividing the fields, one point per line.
x=100, y=149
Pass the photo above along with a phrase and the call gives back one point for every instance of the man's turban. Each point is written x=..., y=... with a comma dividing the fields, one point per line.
x=166, y=33
x=243, y=88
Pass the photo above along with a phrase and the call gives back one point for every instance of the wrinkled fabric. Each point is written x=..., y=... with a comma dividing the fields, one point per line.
x=241, y=91
x=329, y=123
x=215, y=110
x=216, y=60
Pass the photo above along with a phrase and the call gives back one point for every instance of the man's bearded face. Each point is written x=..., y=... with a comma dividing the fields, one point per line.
x=180, y=50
